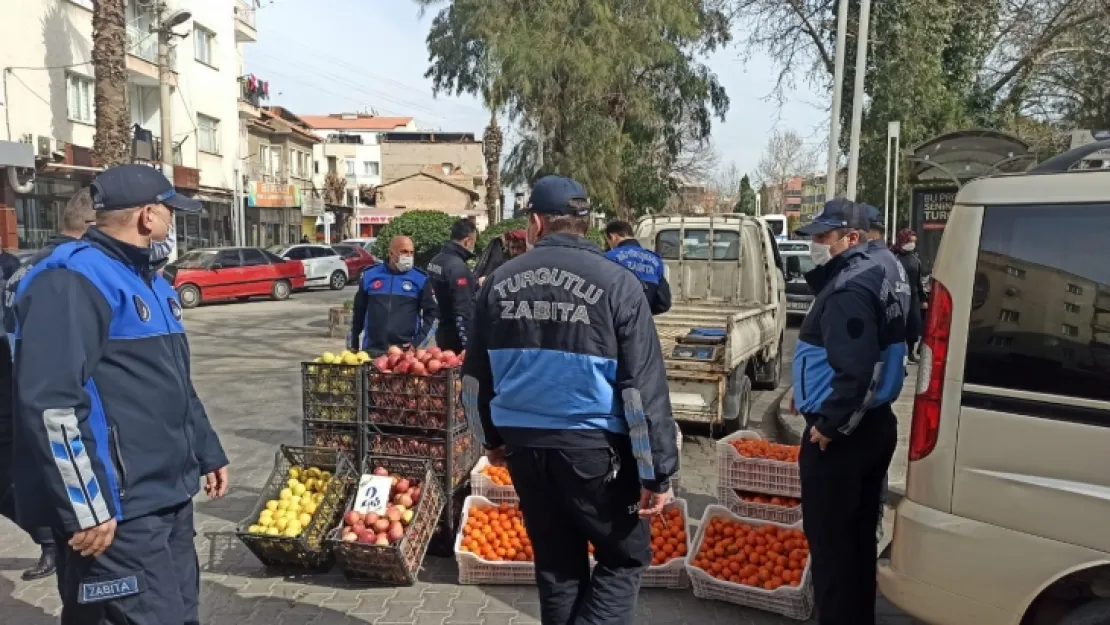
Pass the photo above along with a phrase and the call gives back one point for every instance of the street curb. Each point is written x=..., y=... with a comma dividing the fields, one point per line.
x=790, y=427
x=767, y=416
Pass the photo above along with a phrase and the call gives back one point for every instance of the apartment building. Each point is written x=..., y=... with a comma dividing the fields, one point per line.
x=799, y=196
x=46, y=50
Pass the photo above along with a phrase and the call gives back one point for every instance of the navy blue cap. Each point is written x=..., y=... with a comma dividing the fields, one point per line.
x=875, y=217
x=131, y=186
x=551, y=195
x=837, y=213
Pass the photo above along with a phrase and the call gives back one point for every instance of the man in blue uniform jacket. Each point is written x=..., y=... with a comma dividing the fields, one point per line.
x=848, y=369
x=111, y=439
x=564, y=376
x=394, y=304
x=625, y=250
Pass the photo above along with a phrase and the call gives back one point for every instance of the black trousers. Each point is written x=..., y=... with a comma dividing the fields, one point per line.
x=447, y=337
x=43, y=536
x=572, y=497
x=148, y=576
x=841, y=489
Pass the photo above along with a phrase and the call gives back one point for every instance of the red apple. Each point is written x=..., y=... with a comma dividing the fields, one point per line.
x=370, y=518
x=357, y=527
x=415, y=494
x=434, y=366
x=349, y=537
x=403, y=366
x=393, y=350
x=434, y=352
x=404, y=500
x=381, y=471
x=396, y=531
x=418, y=368
x=381, y=363
x=421, y=354
x=352, y=517
x=392, y=360
x=366, y=537
x=402, y=486
x=381, y=525
x=447, y=354
x=393, y=514
x=382, y=540
x=450, y=362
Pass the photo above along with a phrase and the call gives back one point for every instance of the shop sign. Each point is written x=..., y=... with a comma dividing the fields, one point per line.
x=374, y=219
x=312, y=206
x=271, y=195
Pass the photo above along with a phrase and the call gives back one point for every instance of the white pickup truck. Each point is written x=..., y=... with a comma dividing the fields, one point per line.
x=723, y=335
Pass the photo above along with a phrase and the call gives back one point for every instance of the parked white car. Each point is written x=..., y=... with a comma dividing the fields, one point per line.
x=323, y=266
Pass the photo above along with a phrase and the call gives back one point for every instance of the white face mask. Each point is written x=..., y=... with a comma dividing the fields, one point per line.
x=404, y=263
x=909, y=247
x=160, y=250
x=819, y=253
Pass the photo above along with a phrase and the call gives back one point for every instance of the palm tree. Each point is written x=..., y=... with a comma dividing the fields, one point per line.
x=109, y=57
x=491, y=147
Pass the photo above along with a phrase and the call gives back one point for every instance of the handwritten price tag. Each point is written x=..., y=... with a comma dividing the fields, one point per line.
x=373, y=493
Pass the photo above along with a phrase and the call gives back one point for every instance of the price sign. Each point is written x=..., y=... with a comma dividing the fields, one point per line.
x=373, y=493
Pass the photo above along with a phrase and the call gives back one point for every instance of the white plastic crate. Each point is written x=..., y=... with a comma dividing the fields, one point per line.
x=728, y=498
x=755, y=474
x=671, y=574
x=482, y=486
x=678, y=442
x=475, y=570
x=789, y=601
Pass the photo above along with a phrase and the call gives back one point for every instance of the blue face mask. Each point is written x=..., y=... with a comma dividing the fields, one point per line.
x=160, y=250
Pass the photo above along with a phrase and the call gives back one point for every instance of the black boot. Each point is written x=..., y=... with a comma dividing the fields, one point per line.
x=45, y=566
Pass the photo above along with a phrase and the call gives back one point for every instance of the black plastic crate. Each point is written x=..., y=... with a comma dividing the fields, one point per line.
x=333, y=392
x=453, y=467
x=308, y=550
x=428, y=402
x=442, y=544
x=345, y=437
x=399, y=563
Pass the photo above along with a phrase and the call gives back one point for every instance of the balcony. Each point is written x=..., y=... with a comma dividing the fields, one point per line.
x=142, y=56
x=250, y=101
x=245, y=29
x=257, y=172
x=186, y=177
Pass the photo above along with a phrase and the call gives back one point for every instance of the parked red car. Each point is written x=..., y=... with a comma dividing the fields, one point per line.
x=235, y=272
x=357, y=259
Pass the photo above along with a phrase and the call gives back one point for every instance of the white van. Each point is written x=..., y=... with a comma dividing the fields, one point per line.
x=1006, y=516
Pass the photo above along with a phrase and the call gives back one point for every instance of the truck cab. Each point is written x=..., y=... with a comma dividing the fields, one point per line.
x=723, y=335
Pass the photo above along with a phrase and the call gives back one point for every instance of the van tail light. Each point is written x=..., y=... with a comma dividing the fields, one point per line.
x=930, y=378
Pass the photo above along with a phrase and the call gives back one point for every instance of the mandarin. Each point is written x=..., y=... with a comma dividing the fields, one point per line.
x=770, y=557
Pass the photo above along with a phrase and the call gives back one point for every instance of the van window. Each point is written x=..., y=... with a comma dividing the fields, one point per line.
x=726, y=245
x=1040, y=318
x=798, y=266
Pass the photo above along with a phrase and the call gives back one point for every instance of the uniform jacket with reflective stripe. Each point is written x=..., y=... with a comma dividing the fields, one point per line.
x=851, y=346
x=391, y=308
x=108, y=423
x=564, y=353
x=649, y=268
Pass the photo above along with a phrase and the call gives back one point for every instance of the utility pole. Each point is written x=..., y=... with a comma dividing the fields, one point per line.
x=862, y=38
x=165, y=101
x=838, y=87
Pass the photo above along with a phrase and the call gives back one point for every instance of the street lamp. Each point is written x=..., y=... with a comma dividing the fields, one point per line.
x=164, y=30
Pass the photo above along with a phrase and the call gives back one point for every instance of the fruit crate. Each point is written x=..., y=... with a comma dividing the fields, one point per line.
x=758, y=475
x=428, y=402
x=443, y=541
x=332, y=392
x=474, y=569
x=308, y=550
x=675, y=480
x=671, y=574
x=731, y=499
x=453, y=467
x=482, y=485
x=344, y=437
x=399, y=563
x=791, y=602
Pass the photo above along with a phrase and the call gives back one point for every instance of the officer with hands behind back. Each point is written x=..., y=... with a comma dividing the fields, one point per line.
x=111, y=439
x=581, y=413
x=454, y=285
x=625, y=250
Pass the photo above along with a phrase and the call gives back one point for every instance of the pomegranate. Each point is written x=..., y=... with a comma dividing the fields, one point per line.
x=434, y=366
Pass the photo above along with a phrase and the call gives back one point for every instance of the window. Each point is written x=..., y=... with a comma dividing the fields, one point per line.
x=264, y=160
x=370, y=168
x=204, y=46
x=1056, y=352
x=275, y=160
x=726, y=245
x=297, y=253
x=208, y=134
x=253, y=257
x=1015, y=272
x=346, y=251
x=323, y=252
x=272, y=257
x=349, y=166
x=79, y=91
x=798, y=266
x=229, y=258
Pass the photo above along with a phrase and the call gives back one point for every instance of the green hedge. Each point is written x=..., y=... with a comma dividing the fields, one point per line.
x=429, y=230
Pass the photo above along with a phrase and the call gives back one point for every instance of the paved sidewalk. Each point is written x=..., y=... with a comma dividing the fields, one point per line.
x=245, y=366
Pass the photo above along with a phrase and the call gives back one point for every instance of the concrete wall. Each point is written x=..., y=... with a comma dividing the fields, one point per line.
x=424, y=193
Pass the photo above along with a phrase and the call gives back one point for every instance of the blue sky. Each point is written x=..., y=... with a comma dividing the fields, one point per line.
x=330, y=56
